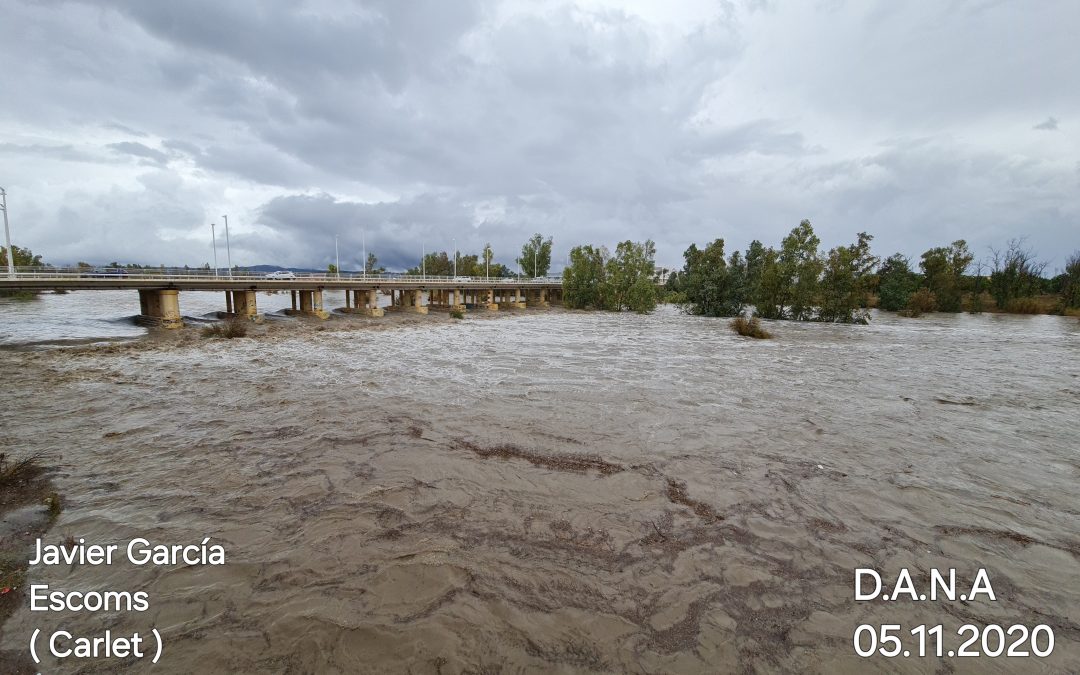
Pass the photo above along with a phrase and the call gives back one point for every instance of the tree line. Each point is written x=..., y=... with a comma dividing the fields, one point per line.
x=798, y=281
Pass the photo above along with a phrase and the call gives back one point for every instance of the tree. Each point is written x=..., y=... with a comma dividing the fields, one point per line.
x=943, y=270
x=630, y=277
x=844, y=283
x=755, y=260
x=331, y=269
x=438, y=264
x=1070, y=288
x=774, y=287
x=802, y=266
x=585, y=282
x=896, y=283
x=372, y=265
x=535, y=257
x=1014, y=273
x=709, y=284
x=23, y=257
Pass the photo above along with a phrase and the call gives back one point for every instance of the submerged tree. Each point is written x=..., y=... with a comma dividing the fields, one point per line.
x=708, y=283
x=844, y=284
x=630, y=276
x=943, y=270
x=896, y=283
x=585, y=279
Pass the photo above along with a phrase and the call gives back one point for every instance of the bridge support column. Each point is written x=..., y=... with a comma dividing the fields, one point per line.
x=491, y=304
x=293, y=294
x=457, y=300
x=414, y=302
x=160, y=308
x=228, y=302
x=373, y=308
x=243, y=303
x=311, y=303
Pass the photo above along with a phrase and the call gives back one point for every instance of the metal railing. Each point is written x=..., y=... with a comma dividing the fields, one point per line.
x=202, y=274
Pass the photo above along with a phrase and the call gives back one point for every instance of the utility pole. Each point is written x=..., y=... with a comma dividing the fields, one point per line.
x=228, y=248
x=7, y=236
x=213, y=238
x=337, y=259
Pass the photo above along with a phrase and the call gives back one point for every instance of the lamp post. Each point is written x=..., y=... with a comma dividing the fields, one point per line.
x=7, y=236
x=213, y=238
x=423, y=261
x=535, y=249
x=363, y=244
x=337, y=259
x=228, y=248
x=454, y=242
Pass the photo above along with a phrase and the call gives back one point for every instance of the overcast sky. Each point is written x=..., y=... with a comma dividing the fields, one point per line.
x=129, y=126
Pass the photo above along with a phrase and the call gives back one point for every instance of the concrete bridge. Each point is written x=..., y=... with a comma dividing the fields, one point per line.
x=159, y=290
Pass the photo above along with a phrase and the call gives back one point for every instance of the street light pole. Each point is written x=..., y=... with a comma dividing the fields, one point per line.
x=454, y=241
x=213, y=238
x=534, y=261
x=423, y=261
x=228, y=248
x=337, y=259
x=7, y=236
x=363, y=243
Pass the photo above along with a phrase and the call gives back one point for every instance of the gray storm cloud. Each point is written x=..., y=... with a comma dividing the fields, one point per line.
x=132, y=126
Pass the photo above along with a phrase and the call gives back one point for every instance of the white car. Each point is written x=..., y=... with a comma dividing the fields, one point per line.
x=281, y=274
x=462, y=278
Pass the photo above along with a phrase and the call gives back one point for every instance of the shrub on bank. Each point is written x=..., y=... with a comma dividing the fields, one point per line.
x=457, y=314
x=233, y=328
x=750, y=327
x=1023, y=306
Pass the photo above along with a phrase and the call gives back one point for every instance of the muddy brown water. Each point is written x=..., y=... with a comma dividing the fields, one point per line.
x=565, y=492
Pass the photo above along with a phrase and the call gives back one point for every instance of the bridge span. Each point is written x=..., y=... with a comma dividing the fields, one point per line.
x=159, y=291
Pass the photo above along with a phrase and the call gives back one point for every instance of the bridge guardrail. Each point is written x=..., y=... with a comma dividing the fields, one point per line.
x=60, y=273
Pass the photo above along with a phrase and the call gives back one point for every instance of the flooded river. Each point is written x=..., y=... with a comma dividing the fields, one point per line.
x=551, y=491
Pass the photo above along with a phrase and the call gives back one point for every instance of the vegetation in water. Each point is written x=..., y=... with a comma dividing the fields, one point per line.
x=595, y=279
x=233, y=328
x=750, y=327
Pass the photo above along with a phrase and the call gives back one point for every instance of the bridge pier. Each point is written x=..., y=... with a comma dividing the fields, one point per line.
x=311, y=304
x=457, y=300
x=491, y=304
x=243, y=304
x=160, y=308
x=373, y=308
x=413, y=301
x=538, y=298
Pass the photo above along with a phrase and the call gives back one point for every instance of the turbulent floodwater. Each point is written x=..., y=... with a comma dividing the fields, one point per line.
x=569, y=492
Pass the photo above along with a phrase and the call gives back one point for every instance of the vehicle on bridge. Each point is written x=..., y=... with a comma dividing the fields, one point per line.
x=104, y=273
x=281, y=274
